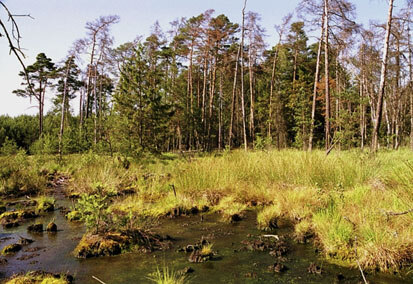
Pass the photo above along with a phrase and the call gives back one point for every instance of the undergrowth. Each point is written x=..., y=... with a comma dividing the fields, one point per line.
x=347, y=200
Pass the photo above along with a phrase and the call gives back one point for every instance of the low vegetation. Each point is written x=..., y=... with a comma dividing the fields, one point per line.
x=40, y=277
x=353, y=205
x=165, y=276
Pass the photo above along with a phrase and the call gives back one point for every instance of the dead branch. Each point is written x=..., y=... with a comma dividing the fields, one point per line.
x=357, y=260
x=98, y=280
x=389, y=213
x=15, y=47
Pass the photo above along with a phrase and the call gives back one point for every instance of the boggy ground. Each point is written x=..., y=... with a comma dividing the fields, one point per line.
x=354, y=207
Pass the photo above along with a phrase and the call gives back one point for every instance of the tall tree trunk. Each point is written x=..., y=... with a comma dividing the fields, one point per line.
x=410, y=85
x=326, y=75
x=244, y=128
x=379, y=109
x=42, y=97
x=220, y=138
x=191, y=96
x=40, y=117
x=388, y=123
x=252, y=99
x=397, y=99
x=81, y=114
x=204, y=90
x=39, y=98
x=89, y=78
x=211, y=97
x=338, y=101
x=234, y=90
x=316, y=78
x=380, y=99
x=96, y=107
x=274, y=64
x=62, y=117
x=362, y=114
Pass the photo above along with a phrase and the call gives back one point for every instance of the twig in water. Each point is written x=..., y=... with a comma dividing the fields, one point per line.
x=173, y=188
x=357, y=260
x=272, y=236
x=97, y=279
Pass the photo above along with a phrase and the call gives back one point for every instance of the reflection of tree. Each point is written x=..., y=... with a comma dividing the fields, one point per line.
x=13, y=37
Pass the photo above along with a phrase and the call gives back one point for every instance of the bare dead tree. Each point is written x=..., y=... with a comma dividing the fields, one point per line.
x=13, y=37
x=316, y=79
x=379, y=108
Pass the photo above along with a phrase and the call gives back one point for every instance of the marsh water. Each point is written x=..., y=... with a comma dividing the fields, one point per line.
x=232, y=264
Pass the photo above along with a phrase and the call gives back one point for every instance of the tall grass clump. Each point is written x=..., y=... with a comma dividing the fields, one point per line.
x=91, y=171
x=165, y=276
x=268, y=216
x=350, y=201
x=20, y=176
x=230, y=208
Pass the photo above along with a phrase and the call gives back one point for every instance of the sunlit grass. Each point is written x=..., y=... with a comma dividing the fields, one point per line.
x=345, y=199
x=165, y=276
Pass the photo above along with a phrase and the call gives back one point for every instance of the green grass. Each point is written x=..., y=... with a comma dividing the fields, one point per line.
x=36, y=277
x=165, y=276
x=19, y=175
x=343, y=199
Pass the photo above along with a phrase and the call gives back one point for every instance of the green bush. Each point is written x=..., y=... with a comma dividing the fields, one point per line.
x=94, y=209
x=9, y=147
x=47, y=144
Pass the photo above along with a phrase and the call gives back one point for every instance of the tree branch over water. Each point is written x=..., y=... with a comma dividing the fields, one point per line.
x=13, y=38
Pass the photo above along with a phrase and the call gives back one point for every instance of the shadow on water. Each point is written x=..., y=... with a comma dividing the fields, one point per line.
x=232, y=264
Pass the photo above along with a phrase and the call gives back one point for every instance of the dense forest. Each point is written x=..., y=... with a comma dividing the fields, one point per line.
x=208, y=83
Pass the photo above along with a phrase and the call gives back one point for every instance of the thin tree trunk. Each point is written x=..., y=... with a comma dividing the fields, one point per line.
x=379, y=109
x=62, y=117
x=397, y=99
x=388, y=124
x=234, y=88
x=89, y=79
x=338, y=101
x=252, y=99
x=211, y=98
x=204, y=90
x=326, y=75
x=81, y=109
x=316, y=78
x=362, y=115
x=191, y=96
x=274, y=64
x=220, y=138
x=39, y=98
x=96, y=107
x=410, y=85
x=40, y=117
x=244, y=128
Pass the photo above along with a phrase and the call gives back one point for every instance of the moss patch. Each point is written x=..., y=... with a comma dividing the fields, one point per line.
x=40, y=277
x=73, y=216
x=10, y=249
x=113, y=243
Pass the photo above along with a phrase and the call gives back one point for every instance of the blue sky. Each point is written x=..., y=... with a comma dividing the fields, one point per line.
x=58, y=23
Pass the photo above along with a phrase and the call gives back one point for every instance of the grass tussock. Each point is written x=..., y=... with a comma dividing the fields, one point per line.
x=166, y=276
x=40, y=277
x=345, y=200
x=20, y=175
x=230, y=208
x=268, y=216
